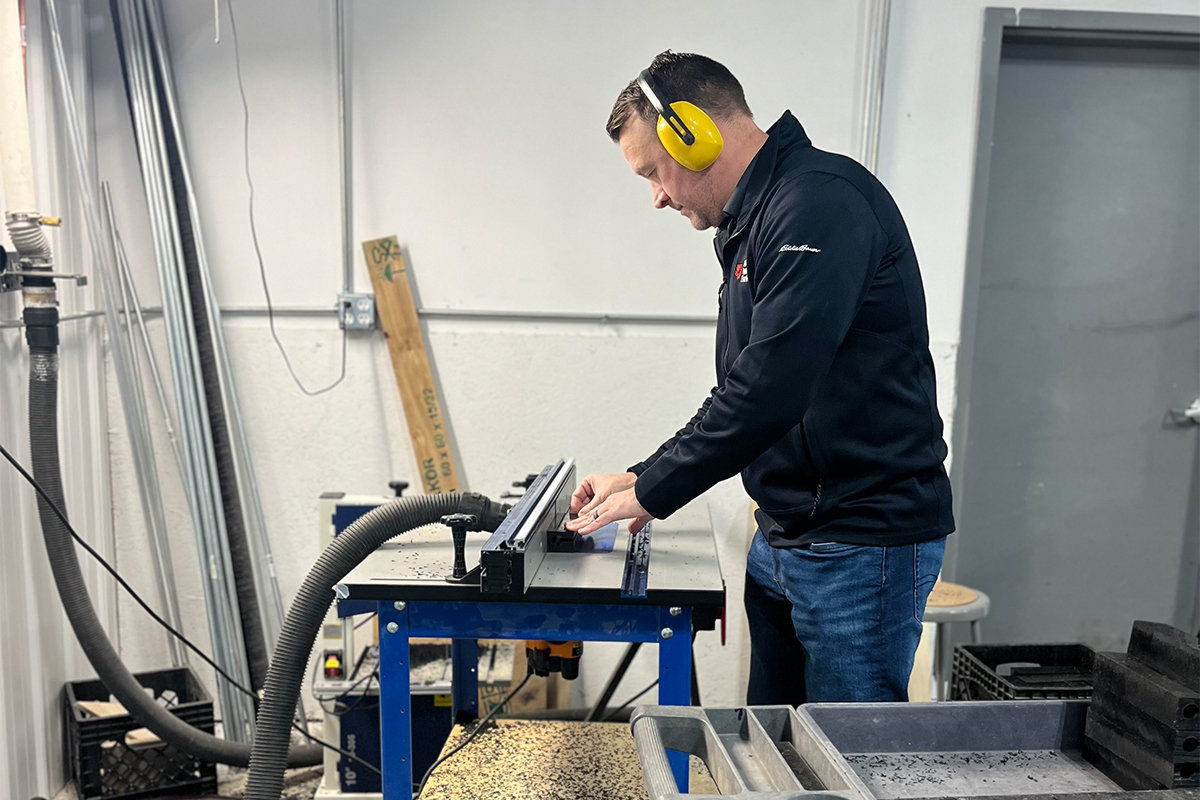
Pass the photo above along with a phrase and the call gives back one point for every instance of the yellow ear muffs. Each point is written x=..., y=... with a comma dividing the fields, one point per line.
x=708, y=143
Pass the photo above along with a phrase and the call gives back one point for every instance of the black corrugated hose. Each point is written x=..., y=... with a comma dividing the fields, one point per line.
x=305, y=616
x=60, y=549
x=271, y=754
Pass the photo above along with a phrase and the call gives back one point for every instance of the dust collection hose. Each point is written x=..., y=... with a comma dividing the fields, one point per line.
x=308, y=610
x=271, y=754
x=43, y=436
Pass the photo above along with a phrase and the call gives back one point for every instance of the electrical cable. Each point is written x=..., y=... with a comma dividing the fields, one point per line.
x=373, y=675
x=628, y=702
x=482, y=723
x=262, y=270
x=153, y=614
x=370, y=617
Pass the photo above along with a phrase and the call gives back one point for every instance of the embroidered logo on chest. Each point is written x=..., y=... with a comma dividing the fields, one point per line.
x=741, y=272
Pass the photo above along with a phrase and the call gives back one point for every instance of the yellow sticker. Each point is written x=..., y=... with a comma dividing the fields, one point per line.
x=441, y=701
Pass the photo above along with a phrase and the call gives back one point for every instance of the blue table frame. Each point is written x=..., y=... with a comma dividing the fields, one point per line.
x=466, y=622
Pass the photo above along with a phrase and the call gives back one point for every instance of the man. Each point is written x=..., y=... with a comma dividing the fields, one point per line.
x=825, y=391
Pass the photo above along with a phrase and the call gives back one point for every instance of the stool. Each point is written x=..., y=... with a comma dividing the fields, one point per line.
x=949, y=603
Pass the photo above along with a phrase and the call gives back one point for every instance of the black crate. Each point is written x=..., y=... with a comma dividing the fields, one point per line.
x=104, y=766
x=1049, y=672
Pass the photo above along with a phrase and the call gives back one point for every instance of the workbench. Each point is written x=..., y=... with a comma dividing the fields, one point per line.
x=573, y=596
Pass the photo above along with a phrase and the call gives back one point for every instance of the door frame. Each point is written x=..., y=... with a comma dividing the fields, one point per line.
x=1031, y=26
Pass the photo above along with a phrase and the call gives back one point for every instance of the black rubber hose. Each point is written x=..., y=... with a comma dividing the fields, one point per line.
x=271, y=755
x=60, y=549
x=308, y=610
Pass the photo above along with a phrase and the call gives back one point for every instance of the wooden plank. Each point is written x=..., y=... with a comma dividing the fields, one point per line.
x=428, y=426
x=101, y=708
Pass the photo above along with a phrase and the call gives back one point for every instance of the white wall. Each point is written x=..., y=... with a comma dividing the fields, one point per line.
x=40, y=650
x=478, y=140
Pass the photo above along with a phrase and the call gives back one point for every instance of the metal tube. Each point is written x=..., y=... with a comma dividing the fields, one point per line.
x=172, y=436
x=873, y=96
x=344, y=143
x=238, y=725
x=197, y=475
x=534, y=317
x=144, y=459
x=266, y=582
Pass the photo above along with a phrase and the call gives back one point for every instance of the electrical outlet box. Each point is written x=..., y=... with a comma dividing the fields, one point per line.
x=356, y=312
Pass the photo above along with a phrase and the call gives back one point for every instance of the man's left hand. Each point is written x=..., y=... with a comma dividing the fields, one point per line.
x=618, y=506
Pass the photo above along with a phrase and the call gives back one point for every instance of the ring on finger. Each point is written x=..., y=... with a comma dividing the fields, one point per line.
x=596, y=516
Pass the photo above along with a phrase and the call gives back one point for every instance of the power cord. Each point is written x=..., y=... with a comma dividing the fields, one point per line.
x=628, y=702
x=373, y=675
x=262, y=270
x=482, y=724
x=154, y=615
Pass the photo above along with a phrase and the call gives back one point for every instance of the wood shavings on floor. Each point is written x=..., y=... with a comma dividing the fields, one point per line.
x=519, y=759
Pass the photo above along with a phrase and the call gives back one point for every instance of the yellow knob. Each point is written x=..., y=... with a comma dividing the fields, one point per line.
x=53, y=222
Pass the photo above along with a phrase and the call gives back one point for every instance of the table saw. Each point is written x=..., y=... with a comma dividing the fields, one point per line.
x=531, y=580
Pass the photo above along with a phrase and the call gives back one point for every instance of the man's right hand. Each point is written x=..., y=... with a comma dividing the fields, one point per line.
x=596, y=488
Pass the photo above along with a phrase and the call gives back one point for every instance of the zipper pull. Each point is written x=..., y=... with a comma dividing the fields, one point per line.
x=817, y=497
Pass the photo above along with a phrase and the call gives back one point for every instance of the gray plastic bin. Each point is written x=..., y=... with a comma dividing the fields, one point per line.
x=907, y=750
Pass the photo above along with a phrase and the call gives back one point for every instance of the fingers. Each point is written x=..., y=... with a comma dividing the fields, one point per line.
x=582, y=495
x=637, y=523
x=590, y=520
x=592, y=504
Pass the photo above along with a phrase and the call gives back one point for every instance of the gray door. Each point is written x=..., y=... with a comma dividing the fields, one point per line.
x=1077, y=495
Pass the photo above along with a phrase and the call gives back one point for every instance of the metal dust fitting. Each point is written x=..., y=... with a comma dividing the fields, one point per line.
x=676, y=611
x=392, y=627
x=667, y=633
x=400, y=605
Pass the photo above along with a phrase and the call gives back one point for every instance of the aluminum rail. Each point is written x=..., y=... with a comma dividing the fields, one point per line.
x=137, y=420
x=199, y=475
x=344, y=144
x=881, y=11
x=271, y=611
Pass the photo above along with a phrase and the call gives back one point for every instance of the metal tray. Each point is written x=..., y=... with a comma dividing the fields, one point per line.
x=759, y=753
x=908, y=750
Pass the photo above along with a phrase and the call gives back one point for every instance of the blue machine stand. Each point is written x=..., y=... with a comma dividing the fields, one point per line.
x=603, y=588
x=465, y=622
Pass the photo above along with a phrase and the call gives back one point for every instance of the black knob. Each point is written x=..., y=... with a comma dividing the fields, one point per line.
x=398, y=487
x=526, y=483
x=458, y=525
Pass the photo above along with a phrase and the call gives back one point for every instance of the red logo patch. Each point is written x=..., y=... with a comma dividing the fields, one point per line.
x=737, y=272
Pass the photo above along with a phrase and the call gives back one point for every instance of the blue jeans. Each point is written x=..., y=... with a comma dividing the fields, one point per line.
x=835, y=622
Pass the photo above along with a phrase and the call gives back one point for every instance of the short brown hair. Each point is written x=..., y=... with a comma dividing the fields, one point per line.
x=683, y=76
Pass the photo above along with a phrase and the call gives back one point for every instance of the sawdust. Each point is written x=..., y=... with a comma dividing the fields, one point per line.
x=964, y=774
x=519, y=759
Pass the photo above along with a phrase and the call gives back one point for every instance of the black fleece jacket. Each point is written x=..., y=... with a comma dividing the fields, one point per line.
x=825, y=386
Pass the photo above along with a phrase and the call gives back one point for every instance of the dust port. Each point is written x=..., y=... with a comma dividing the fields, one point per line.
x=1190, y=744
x=1191, y=710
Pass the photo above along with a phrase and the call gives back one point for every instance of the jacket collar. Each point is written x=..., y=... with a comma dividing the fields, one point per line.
x=782, y=138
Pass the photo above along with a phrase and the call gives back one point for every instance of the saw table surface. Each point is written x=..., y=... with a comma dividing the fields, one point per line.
x=683, y=570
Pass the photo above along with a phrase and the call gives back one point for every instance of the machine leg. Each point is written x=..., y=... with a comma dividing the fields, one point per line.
x=395, y=725
x=675, y=680
x=464, y=692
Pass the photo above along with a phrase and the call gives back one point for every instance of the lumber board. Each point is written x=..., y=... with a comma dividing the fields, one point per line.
x=428, y=426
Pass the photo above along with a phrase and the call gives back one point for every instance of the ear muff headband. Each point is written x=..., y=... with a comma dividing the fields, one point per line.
x=687, y=133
